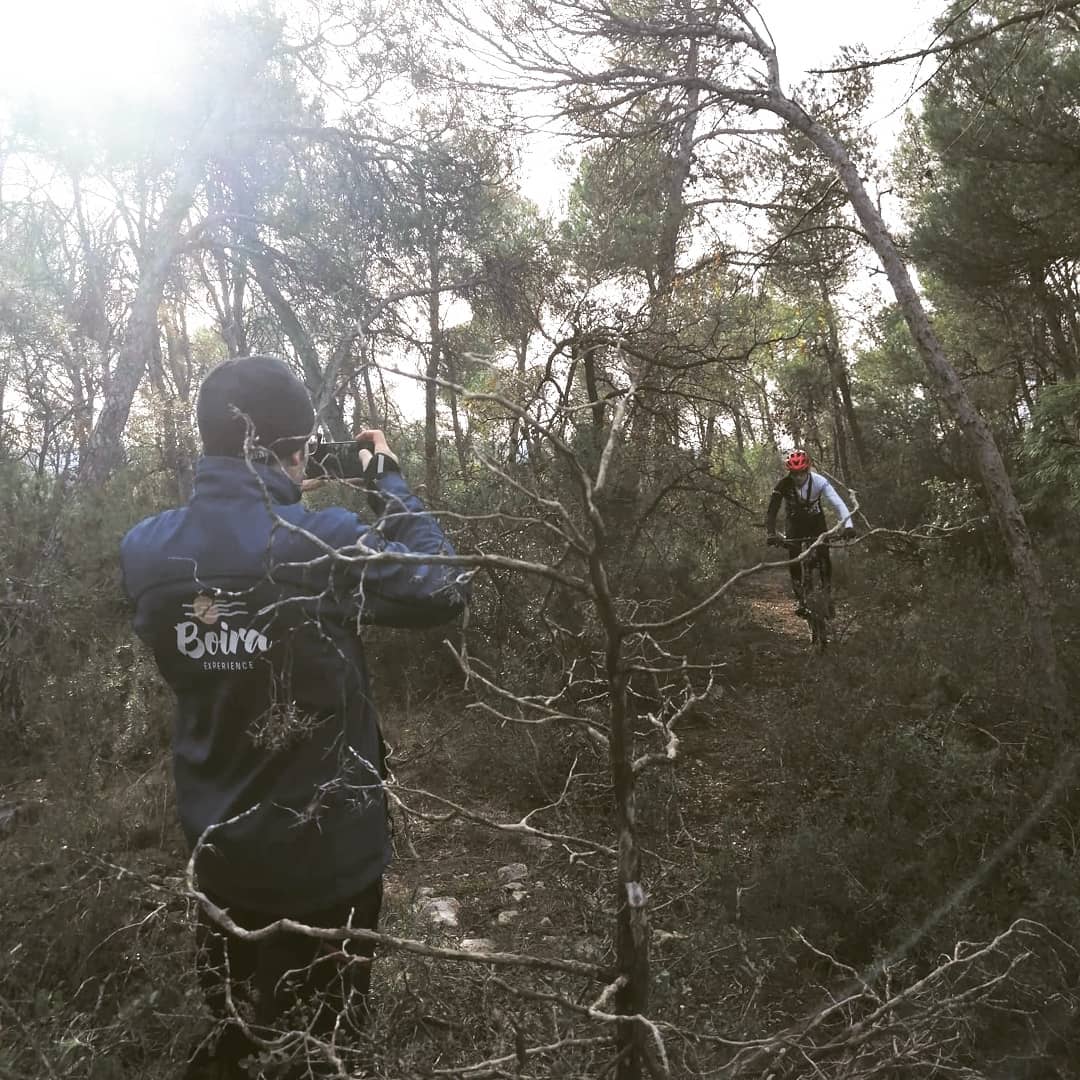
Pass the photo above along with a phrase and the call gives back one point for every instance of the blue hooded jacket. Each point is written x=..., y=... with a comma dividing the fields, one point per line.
x=250, y=603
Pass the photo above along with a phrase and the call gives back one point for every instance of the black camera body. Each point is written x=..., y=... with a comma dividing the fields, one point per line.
x=337, y=460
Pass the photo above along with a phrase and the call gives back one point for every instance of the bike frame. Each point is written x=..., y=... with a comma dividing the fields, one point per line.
x=816, y=597
x=816, y=591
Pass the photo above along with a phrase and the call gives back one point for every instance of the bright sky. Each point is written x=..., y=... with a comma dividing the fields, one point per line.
x=84, y=52
x=83, y=55
x=809, y=34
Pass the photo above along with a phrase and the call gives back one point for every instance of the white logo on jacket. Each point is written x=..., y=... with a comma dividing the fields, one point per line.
x=218, y=639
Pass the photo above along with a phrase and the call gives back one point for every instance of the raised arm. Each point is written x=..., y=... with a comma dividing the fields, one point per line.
x=403, y=593
x=773, y=509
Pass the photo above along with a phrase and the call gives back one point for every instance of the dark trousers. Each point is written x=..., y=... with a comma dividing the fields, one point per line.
x=286, y=981
x=796, y=548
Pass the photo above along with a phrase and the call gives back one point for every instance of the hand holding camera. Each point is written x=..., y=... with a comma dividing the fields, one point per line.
x=368, y=457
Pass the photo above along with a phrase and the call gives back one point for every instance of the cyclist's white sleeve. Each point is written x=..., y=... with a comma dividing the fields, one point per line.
x=838, y=504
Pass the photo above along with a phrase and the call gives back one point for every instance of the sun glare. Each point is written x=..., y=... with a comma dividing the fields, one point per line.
x=81, y=52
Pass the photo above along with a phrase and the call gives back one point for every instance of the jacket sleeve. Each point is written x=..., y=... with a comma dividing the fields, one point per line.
x=843, y=514
x=775, y=500
x=399, y=593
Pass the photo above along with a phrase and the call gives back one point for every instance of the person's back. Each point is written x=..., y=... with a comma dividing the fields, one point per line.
x=253, y=628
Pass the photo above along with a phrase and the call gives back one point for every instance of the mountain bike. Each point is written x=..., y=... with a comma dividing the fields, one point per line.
x=817, y=598
x=815, y=592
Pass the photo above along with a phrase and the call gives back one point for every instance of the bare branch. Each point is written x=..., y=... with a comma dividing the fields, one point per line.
x=1054, y=7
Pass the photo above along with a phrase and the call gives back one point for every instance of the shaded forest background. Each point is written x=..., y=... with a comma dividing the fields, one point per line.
x=863, y=864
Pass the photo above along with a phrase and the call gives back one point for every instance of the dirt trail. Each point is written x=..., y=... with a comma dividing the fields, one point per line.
x=764, y=630
x=770, y=605
x=731, y=757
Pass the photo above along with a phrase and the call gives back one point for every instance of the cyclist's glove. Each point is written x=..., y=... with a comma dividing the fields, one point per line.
x=773, y=540
x=850, y=533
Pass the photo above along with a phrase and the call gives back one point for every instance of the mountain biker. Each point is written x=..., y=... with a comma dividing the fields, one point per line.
x=801, y=491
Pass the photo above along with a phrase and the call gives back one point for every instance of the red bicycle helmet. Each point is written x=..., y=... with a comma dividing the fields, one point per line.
x=797, y=461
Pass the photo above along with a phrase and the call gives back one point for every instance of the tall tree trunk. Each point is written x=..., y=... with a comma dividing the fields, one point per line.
x=431, y=389
x=812, y=440
x=231, y=280
x=94, y=318
x=766, y=417
x=667, y=247
x=322, y=382
x=675, y=202
x=592, y=389
x=980, y=440
x=82, y=410
x=840, y=439
x=431, y=430
x=172, y=453
x=838, y=374
x=521, y=352
x=239, y=284
x=1022, y=385
x=178, y=352
x=374, y=413
x=460, y=444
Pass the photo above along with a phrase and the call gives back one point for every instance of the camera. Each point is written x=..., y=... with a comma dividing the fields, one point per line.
x=339, y=460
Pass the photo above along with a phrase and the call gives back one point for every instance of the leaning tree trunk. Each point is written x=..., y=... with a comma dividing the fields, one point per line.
x=103, y=450
x=980, y=440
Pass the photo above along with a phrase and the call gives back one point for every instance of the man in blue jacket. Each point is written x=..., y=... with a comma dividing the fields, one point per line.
x=251, y=603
